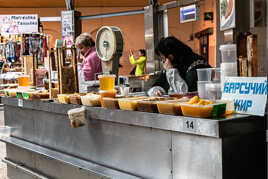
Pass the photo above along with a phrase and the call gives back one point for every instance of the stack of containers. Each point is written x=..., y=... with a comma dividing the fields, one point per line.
x=208, y=84
x=213, y=88
x=228, y=61
x=107, y=82
x=203, y=79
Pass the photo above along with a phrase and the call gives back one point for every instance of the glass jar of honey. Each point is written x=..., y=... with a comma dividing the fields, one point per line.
x=107, y=81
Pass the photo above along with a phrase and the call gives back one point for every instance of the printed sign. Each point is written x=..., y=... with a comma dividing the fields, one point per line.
x=188, y=13
x=67, y=27
x=189, y=125
x=67, y=23
x=19, y=24
x=227, y=14
x=249, y=94
x=20, y=103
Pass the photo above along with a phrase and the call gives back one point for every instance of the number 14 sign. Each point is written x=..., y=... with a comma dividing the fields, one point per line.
x=189, y=125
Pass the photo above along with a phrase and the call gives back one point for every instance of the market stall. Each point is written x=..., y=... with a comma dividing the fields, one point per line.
x=24, y=52
x=130, y=144
x=109, y=132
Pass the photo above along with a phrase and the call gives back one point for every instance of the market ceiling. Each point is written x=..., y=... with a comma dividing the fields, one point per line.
x=78, y=3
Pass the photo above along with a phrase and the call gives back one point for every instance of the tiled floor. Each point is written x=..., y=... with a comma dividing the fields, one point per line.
x=3, y=167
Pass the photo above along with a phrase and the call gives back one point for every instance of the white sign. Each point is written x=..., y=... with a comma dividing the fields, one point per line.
x=67, y=27
x=67, y=23
x=249, y=94
x=20, y=103
x=189, y=125
x=19, y=24
x=227, y=14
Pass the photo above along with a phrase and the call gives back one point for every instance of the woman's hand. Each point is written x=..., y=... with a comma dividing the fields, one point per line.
x=130, y=53
x=158, y=93
x=79, y=59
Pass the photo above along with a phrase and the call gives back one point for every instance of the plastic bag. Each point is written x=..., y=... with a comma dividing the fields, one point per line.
x=77, y=117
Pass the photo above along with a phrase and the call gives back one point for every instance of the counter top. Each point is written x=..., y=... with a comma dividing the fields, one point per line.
x=232, y=125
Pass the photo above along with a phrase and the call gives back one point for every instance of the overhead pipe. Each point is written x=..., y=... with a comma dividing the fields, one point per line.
x=67, y=3
x=165, y=6
x=72, y=4
x=114, y=14
x=50, y=19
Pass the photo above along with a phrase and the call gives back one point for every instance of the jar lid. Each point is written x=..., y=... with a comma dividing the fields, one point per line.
x=106, y=75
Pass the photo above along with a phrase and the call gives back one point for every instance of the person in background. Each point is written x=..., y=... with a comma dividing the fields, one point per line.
x=90, y=63
x=180, y=64
x=1, y=63
x=140, y=62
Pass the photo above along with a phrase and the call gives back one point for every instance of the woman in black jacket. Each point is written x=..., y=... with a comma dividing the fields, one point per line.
x=180, y=64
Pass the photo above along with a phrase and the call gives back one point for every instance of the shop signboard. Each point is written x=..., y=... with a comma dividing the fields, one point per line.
x=67, y=27
x=19, y=24
x=227, y=14
x=248, y=93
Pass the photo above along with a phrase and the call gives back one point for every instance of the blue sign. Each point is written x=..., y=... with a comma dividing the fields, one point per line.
x=188, y=13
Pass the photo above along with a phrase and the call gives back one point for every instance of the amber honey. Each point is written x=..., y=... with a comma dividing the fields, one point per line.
x=109, y=93
x=107, y=82
x=24, y=80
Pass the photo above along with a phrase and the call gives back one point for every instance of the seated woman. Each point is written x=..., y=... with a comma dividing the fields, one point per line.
x=180, y=64
x=140, y=62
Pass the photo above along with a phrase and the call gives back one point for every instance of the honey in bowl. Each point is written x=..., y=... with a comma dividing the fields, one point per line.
x=106, y=82
x=106, y=93
x=24, y=80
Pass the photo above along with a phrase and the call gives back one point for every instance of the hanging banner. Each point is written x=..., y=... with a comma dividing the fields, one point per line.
x=227, y=14
x=249, y=94
x=19, y=24
x=67, y=23
x=67, y=27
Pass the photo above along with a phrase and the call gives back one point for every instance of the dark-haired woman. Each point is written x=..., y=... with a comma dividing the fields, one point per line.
x=180, y=64
x=140, y=62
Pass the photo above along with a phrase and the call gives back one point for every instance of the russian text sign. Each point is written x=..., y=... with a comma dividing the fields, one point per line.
x=249, y=94
x=19, y=24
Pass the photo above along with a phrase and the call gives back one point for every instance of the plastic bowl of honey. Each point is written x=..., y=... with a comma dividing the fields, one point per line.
x=106, y=93
x=24, y=80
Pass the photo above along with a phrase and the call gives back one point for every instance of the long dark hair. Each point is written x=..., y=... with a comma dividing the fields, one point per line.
x=183, y=54
x=143, y=52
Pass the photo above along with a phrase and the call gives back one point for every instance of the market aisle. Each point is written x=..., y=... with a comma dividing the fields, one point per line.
x=3, y=167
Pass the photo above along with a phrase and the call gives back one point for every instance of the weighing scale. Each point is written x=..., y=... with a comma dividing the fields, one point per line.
x=109, y=46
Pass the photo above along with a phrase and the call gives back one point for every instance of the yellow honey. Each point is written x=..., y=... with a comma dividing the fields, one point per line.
x=107, y=82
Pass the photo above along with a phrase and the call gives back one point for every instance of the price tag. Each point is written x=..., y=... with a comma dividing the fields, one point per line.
x=20, y=103
x=189, y=125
